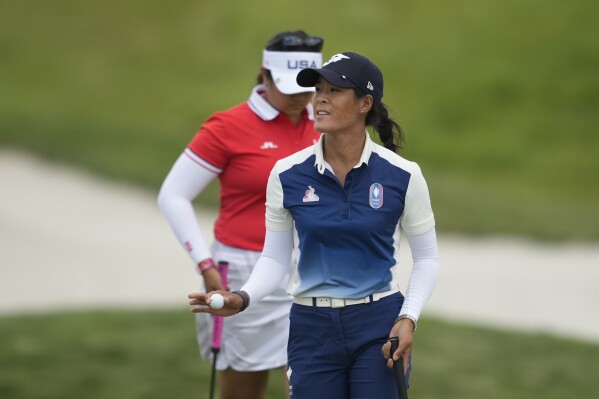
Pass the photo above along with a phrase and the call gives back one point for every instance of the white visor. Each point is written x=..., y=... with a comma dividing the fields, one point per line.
x=285, y=65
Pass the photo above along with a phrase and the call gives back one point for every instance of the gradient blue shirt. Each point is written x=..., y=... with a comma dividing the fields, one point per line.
x=348, y=235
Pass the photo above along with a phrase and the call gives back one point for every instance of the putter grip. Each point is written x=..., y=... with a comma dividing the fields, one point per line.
x=217, y=323
x=217, y=332
x=400, y=377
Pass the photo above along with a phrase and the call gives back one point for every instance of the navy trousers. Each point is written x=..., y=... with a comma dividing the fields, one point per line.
x=336, y=353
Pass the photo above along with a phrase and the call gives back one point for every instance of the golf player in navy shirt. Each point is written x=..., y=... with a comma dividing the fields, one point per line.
x=349, y=200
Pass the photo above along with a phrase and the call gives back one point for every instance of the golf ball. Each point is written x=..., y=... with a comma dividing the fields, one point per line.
x=217, y=301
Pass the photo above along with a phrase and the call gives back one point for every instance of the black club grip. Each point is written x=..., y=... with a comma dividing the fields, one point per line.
x=402, y=389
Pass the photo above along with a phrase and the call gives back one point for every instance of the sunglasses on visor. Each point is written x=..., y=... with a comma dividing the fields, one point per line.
x=295, y=43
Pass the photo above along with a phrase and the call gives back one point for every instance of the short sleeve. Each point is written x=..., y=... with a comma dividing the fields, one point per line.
x=418, y=217
x=277, y=217
x=210, y=142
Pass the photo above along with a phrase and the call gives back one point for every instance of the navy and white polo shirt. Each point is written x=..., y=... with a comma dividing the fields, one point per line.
x=348, y=236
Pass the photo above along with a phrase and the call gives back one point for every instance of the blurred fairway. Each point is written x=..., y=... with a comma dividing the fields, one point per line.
x=140, y=354
x=499, y=100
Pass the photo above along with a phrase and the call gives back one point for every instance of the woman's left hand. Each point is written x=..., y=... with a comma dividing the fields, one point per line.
x=404, y=330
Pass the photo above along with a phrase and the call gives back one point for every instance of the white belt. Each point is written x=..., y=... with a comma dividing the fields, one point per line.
x=323, y=302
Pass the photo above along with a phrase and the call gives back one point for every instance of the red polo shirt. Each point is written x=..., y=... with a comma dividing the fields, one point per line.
x=242, y=145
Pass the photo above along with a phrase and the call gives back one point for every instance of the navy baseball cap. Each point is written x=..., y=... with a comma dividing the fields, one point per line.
x=346, y=70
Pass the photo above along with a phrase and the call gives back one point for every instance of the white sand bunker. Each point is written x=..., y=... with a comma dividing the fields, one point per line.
x=69, y=240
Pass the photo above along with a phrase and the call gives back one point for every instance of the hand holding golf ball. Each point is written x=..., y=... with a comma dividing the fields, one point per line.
x=217, y=301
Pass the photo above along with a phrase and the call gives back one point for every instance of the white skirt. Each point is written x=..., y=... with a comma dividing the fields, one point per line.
x=255, y=339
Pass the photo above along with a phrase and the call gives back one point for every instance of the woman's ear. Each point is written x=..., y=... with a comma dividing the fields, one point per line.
x=367, y=102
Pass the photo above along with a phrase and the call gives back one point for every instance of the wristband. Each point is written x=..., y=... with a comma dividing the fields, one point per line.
x=245, y=299
x=205, y=265
x=406, y=316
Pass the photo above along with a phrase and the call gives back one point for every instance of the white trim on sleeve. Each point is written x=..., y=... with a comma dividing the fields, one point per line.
x=418, y=217
x=277, y=217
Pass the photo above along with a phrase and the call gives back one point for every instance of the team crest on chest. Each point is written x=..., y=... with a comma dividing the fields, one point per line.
x=310, y=195
x=375, y=197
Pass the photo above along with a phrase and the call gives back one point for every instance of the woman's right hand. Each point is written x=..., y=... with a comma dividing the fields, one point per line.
x=200, y=303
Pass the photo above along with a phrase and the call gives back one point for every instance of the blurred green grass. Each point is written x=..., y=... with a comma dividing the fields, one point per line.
x=152, y=354
x=499, y=100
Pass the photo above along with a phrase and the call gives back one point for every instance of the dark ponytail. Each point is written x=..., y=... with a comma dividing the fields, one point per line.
x=390, y=133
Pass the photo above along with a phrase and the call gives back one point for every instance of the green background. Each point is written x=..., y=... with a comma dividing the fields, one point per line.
x=153, y=355
x=499, y=101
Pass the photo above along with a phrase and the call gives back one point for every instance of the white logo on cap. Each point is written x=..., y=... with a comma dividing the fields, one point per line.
x=335, y=58
x=369, y=86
